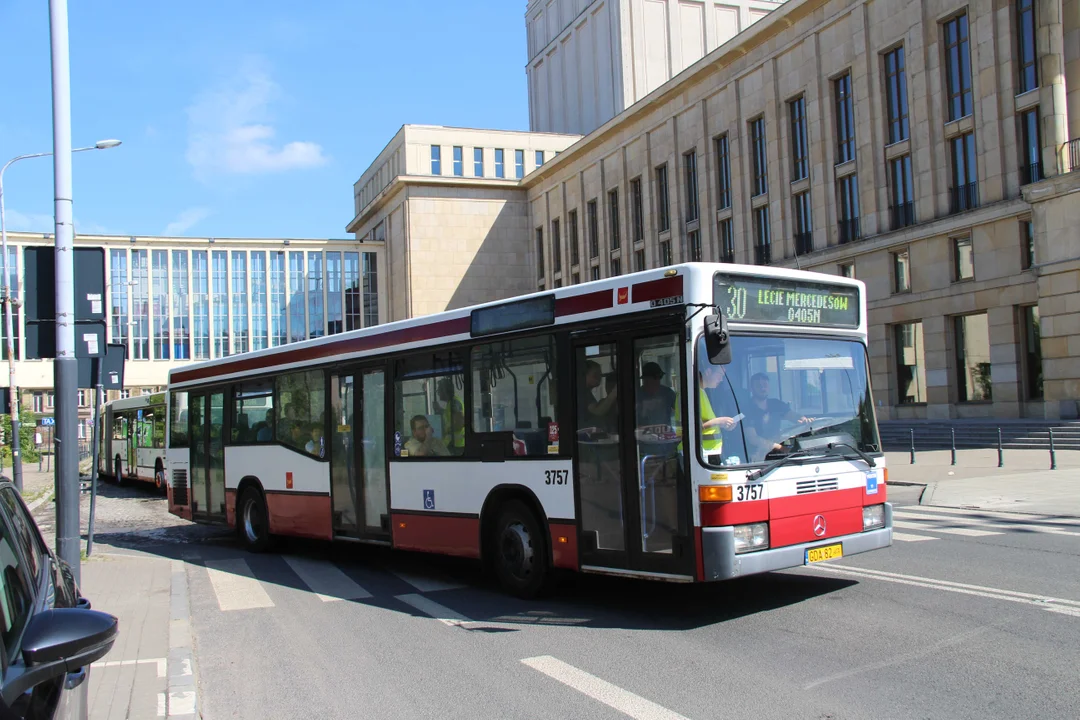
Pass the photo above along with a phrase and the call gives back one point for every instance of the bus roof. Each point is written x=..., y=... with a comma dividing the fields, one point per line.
x=610, y=297
x=137, y=402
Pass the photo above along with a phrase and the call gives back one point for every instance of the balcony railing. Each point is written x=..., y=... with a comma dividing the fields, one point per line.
x=1031, y=173
x=965, y=197
x=849, y=231
x=727, y=257
x=903, y=215
x=762, y=254
x=804, y=243
x=1074, y=155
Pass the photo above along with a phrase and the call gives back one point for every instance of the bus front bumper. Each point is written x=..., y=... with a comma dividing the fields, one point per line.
x=721, y=562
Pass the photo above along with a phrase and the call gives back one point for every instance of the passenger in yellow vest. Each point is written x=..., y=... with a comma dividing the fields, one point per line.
x=711, y=425
x=453, y=417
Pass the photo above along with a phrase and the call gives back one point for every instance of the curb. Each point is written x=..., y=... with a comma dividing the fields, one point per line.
x=181, y=687
x=41, y=501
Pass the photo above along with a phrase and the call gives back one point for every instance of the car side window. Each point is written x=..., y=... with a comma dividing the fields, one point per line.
x=25, y=530
x=16, y=594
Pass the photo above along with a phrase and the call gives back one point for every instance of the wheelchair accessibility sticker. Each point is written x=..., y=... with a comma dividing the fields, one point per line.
x=871, y=483
x=429, y=499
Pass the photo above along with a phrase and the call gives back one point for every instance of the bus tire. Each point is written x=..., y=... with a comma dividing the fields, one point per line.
x=118, y=471
x=520, y=553
x=159, y=480
x=253, y=521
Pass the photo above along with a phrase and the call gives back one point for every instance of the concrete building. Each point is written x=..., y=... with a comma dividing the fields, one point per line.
x=448, y=206
x=591, y=59
x=177, y=300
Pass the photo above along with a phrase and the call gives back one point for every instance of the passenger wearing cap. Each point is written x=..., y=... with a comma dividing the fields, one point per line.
x=655, y=401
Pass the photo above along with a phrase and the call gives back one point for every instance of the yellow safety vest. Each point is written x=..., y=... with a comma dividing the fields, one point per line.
x=712, y=440
x=453, y=436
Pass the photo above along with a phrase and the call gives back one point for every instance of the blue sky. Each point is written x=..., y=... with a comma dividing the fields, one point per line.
x=244, y=119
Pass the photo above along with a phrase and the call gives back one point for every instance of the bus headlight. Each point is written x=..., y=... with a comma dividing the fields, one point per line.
x=751, y=537
x=873, y=516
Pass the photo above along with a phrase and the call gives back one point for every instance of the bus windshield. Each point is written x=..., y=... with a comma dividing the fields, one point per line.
x=780, y=391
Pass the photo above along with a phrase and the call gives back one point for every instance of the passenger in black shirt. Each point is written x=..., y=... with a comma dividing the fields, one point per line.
x=593, y=413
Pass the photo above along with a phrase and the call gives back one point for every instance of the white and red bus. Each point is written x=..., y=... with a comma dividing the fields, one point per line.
x=546, y=431
x=132, y=436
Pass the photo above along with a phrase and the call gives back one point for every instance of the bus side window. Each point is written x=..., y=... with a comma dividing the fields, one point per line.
x=301, y=423
x=429, y=406
x=253, y=412
x=513, y=388
x=178, y=419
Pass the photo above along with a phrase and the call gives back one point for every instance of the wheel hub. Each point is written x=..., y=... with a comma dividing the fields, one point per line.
x=517, y=551
x=252, y=522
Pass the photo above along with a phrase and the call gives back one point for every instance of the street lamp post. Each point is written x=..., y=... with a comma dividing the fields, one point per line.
x=8, y=301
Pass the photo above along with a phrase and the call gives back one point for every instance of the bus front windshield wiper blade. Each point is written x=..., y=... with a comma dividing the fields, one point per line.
x=862, y=455
x=758, y=474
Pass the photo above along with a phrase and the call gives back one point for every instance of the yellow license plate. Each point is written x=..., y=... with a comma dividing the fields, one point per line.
x=827, y=552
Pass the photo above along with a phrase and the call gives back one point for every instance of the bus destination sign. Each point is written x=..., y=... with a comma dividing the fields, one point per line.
x=790, y=302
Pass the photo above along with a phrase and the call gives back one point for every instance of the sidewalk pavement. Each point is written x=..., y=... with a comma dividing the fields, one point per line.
x=1025, y=484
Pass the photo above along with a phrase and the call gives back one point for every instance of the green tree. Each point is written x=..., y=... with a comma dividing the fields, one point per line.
x=27, y=428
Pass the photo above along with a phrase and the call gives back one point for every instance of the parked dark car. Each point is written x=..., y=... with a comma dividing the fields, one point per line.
x=49, y=636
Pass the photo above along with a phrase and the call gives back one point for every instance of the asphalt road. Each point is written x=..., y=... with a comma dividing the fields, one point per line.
x=972, y=615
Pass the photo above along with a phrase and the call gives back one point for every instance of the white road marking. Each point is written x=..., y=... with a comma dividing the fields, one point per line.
x=967, y=512
x=326, y=580
x=428, y=584
x=440, y=612
x=947, y=530
x=1046, y=602
x=182, y=703
x=161, y=704
x=998, y=524
x=613, y=696
x=235, y=586
x=160, y=662
x=904, y=537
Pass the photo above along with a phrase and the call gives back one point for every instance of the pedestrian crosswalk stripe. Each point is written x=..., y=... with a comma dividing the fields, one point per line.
x=429, y=607
x=969, y=532
x=904, y=537
x=426, y=584
x=235, y=586
x=326, y=580
x=1000, y=524
x=976, y=513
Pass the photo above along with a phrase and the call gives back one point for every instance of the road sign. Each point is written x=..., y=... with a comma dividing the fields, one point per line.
x=46, y=421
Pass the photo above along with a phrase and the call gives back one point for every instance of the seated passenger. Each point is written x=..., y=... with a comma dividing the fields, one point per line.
x=423, y=442
x=764, y=416
x=266, y=432
x=315, y=444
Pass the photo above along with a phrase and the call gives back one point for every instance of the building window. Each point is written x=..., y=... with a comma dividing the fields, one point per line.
x=637, y=214
x=639, y=260
x=500, y=168
x=690, y=163
x=1030, y=165
x=572, y=232
x=616, y=267
x=556, y=247
x=239, y=302
x=910, y=363
x=181, y=315
x=1025, y=50
x=370, y=269
x=519, y=164
x=957, y=67
x=902, y=191
x=800, y=155
x=297, y=299
x=723, y=173
x=901, y=265
x=39, y=403
x=279, y=320
x=845, y=120
x=575, y=278
x=353, y=301
x=459, y=161
x=963, y=259
x=160, y=281
x=760, y=159
x=316, y=326
x=896, y=100
x=847, y=197
x=118, y=291
x=762, y=237
x=593, y=229
x=334, y=317
x=219, y=301
x=478, y=162
x=140, y=305
x=665, y=253
x=804, y=225
x=539, y=158
x=973, y=358
x=693, y=240
x=1027, y=236
x=846, y=270
x=663, y=208
x=436, y=160
x=260, y=336
x=13, y=288
x=540, y=253
x=200, y=301
x=1033, y=352
x=613, y=209
x=594, y=272
x=727, y=241
x=965, y=190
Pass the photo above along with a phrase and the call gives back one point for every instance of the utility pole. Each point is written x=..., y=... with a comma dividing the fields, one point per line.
x=65, y=366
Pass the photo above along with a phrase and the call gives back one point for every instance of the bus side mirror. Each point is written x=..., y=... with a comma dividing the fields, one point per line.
x=717, y=341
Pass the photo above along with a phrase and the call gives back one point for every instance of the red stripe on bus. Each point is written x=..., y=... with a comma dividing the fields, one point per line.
x=183, y=511
x=458, y=536
x=657, y=289
x=700, y=564
x=299, y=515
x=800, y=529
x=735, y=513
x=564, y=554
x=877, y=498
x=230, y=507
x=589, y=302
x=783, y=507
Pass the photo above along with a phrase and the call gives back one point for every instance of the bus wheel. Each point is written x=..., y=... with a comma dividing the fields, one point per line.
x=252, y=521
x=118, y=471
x=159, y=480
x=520, y=552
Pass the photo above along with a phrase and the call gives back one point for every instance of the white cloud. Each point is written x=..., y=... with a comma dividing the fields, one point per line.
x=16, y=221
x=230, y=129
x=185, y=221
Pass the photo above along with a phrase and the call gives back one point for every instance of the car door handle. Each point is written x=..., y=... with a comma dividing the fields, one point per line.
x=75, y=679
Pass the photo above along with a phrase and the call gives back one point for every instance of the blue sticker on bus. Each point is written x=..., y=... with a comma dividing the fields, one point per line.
x=429, y=499
x=871, y=483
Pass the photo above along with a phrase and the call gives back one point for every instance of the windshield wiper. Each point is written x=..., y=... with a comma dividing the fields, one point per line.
x=862, y=456
x=758, y=474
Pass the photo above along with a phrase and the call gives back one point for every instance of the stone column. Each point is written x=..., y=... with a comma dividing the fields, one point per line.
x=1071, y=34
x=1050, y=49
x=939, y=367
x=1004, y=361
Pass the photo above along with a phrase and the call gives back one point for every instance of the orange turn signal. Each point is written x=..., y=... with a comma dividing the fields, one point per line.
x=401, y=525
x=563, y=539
x=885, y=476
x=714, y=493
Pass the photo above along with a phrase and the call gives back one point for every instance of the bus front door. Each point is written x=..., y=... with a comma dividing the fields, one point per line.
x=633, y=490
x=207, y=455
x=358, y=454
